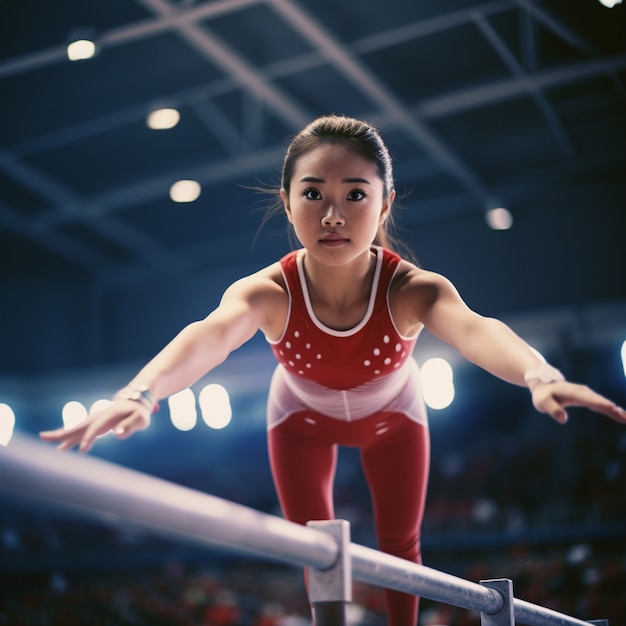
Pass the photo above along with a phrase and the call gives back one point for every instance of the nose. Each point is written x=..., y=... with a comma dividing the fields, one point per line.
x=332, y=219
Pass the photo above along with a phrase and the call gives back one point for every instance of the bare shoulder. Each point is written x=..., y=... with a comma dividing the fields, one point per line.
x=413, y=293
x=265, y=292
x=410, y=277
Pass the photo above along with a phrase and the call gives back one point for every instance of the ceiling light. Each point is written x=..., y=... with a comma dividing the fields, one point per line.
x=609, y=3
x=162, y=119
x=7, y=423
x=81, y=49
x=499, y=219
x=185, y=191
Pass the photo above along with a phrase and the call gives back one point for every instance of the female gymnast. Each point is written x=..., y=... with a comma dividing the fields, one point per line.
x=342, y=314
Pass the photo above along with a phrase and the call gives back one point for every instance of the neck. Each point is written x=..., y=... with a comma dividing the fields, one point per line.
x=343, y=286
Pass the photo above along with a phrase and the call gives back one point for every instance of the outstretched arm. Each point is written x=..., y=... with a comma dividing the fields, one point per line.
x=492, y=345
x=196, y=350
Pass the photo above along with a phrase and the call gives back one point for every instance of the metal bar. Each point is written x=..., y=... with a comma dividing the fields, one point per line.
x=535, y=615
x=111, y=492
x=377, y=568
x=107, y=491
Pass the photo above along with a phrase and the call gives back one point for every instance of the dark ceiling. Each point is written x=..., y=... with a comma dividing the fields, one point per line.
x=514, y=103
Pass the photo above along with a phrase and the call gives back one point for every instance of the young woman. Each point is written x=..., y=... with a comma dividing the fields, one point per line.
x=342, y=315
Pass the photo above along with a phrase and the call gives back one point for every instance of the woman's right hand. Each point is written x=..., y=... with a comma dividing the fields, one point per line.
x=121, y=417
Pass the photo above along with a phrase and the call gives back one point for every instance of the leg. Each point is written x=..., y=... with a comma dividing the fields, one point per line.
x=303, y=468
x=396, y=466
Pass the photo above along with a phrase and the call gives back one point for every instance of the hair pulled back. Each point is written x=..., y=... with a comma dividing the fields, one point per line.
x=364, y=140
x=359, y=136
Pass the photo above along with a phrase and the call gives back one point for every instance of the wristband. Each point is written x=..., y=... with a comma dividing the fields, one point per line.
x=143, y=395
x=545, y=373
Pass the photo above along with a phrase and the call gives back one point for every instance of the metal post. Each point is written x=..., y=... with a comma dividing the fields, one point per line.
x=506, y=615
x=330, y=590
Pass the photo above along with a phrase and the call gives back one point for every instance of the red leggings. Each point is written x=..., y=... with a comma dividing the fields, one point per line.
x=395, y=454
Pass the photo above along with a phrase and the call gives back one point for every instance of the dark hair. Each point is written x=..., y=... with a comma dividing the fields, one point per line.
x=359, y=136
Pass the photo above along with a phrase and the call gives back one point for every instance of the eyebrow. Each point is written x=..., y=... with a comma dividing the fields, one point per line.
x=315, y=179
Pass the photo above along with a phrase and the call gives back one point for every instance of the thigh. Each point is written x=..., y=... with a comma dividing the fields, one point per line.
x=396, y=464
x=303, y=468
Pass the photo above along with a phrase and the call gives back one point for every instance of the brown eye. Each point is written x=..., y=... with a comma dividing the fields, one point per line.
x=312, y=194
x=356, y=194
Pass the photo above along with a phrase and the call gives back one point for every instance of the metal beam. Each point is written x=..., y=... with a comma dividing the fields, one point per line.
x=311, y=30
x=541, y=101
x=212, y=48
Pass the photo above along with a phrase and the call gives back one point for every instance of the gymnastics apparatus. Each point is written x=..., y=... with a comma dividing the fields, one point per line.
x=110, y=492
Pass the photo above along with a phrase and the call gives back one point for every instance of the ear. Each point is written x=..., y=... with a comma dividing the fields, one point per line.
x=285, y=199
x=386, y=209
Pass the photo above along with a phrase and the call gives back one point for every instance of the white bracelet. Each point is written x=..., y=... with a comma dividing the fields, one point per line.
x=143, y=395
x=545, y=373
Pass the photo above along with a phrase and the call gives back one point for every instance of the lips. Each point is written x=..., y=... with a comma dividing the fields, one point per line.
x=333, y=240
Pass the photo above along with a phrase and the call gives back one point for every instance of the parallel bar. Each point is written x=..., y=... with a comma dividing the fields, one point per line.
x=377, y=568
x=107, y=491
x=103, y=490
x=535, y=615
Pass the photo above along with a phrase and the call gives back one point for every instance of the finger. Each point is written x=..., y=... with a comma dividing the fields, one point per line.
x=68, y=441
x=52, y=435
x=585, y=397
x=125, y=429
x=96, y=429
x=85, y=444
x=616, y=413
x=558, y=413
x=66, y=438
x=555, y=410
x=130, y=425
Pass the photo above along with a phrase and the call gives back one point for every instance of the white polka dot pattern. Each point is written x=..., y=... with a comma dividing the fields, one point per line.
x=298, y=354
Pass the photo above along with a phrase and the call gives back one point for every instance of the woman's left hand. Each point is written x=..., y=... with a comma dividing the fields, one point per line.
x=553, y=398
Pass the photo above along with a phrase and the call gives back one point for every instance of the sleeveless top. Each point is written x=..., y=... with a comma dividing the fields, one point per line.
x=341, y=359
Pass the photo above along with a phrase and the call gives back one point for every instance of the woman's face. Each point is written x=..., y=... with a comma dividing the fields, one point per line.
x=335, y=203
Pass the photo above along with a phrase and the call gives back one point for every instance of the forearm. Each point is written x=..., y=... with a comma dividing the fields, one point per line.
x=495, y=347
x=188, y=357
x=203, y=345
x=197, y=349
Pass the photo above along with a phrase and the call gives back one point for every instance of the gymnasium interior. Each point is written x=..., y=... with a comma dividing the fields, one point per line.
x=141, y=142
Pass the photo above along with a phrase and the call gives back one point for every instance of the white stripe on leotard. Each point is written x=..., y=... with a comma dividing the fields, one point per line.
x=399, y=392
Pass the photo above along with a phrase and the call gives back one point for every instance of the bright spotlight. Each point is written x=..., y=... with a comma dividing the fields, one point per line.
x=73, y=413
x=81, y=49
x=499, y=219
x=99, y=405
x=183, y=411
x=185, y=191
x=163, y=119
x=609, y=3
x=215, y=406
x=624, y=358
x=437, y=383
x=7, y=423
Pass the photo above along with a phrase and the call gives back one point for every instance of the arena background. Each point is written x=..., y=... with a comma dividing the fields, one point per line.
x=514, y=104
